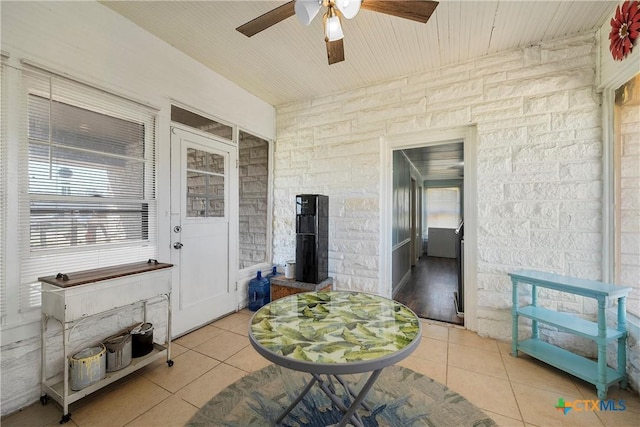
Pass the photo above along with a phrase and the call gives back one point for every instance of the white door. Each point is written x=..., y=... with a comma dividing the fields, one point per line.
x=204, y=221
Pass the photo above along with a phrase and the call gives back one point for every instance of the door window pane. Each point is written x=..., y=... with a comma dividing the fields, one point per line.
x=205, y=184
x=205, y=161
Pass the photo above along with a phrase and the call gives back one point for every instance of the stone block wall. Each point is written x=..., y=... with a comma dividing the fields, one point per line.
x=539, y=167
x=539, y=172
x=253, y=164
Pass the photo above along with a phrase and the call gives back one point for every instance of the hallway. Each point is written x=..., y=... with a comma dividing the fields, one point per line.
x=429, y=292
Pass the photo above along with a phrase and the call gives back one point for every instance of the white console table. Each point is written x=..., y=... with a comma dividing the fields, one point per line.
x=75, y=297
x=596, y=373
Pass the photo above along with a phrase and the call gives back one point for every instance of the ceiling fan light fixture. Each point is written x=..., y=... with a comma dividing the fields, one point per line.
x=306, y=10
x=348, y=8
x=332, y=27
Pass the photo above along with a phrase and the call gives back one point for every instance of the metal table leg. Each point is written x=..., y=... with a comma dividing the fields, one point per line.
x=358, y=400
x=337, y=401
x=350, y=391
x=295, y=402
x=349, y=412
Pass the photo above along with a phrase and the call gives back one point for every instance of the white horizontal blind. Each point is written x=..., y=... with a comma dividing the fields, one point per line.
x=89, y=198
x=627, y=194
x=3, y=185
x=443, y=207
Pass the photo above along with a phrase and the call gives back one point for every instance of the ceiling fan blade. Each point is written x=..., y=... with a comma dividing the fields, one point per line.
x=268, y=19
x=335, y=51
x=416, y=10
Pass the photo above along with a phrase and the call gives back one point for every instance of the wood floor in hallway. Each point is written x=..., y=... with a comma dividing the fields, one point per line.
x=429, y=292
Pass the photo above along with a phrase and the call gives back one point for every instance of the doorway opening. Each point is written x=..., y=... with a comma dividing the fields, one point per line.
x=433, y=285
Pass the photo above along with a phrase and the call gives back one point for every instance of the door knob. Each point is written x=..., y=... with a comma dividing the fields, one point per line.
x=177, y=245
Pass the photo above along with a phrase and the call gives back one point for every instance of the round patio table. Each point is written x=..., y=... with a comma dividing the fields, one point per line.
x=328, y=334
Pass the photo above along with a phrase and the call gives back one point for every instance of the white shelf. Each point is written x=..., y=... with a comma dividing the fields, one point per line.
x=56, y=391
x=95, y=293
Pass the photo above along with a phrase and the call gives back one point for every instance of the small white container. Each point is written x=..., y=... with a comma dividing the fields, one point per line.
x=290, y=269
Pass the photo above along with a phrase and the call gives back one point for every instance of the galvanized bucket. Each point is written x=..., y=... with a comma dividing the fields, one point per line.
x=87, y=367
x=118, y=351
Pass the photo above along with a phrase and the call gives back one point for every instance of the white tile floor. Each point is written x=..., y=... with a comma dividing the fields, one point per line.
x=513, y=391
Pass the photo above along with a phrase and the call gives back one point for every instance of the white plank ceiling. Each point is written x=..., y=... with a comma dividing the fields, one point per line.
x=287, y=62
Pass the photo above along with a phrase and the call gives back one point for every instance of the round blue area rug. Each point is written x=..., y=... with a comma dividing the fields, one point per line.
x=400, y=397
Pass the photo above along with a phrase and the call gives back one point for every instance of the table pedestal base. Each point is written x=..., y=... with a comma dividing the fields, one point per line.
x=329, y=389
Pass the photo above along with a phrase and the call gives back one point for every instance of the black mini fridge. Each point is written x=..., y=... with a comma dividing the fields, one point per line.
x=312, y=238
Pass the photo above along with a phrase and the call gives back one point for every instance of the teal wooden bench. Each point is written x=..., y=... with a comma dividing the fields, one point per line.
x=597, y=373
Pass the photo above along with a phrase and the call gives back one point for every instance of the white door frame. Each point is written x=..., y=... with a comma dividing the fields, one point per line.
x=233, y=225
x=388, y=144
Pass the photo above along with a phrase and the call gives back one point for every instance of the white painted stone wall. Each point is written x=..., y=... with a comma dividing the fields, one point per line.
x=539, y=155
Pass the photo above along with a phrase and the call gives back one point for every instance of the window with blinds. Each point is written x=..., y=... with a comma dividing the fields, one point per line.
x=86, y=176
x=3, y=186
x=626, y=167
x=90, y=186
x=442, y=207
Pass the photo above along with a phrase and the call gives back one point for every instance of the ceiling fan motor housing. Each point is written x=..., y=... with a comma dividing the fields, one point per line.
x=306, y=10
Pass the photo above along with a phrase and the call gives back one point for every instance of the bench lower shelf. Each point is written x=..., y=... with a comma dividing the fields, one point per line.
x=568, y=322
x=571, y=363
x=56, y=390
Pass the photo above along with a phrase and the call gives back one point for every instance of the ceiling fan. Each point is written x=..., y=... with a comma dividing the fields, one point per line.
x=306, y=10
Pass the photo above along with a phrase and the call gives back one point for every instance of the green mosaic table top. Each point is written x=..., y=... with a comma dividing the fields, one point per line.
x=321, y=331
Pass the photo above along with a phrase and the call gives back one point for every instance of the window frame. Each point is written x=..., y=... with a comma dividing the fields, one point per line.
x=42, y=262
x=4, y=57
x=445, y=183
x=609, y=212
x=429, y=188
x=269, y=232
x=45, y=197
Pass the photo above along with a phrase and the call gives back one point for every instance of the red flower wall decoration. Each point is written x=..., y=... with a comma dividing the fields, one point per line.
x=625, y=28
